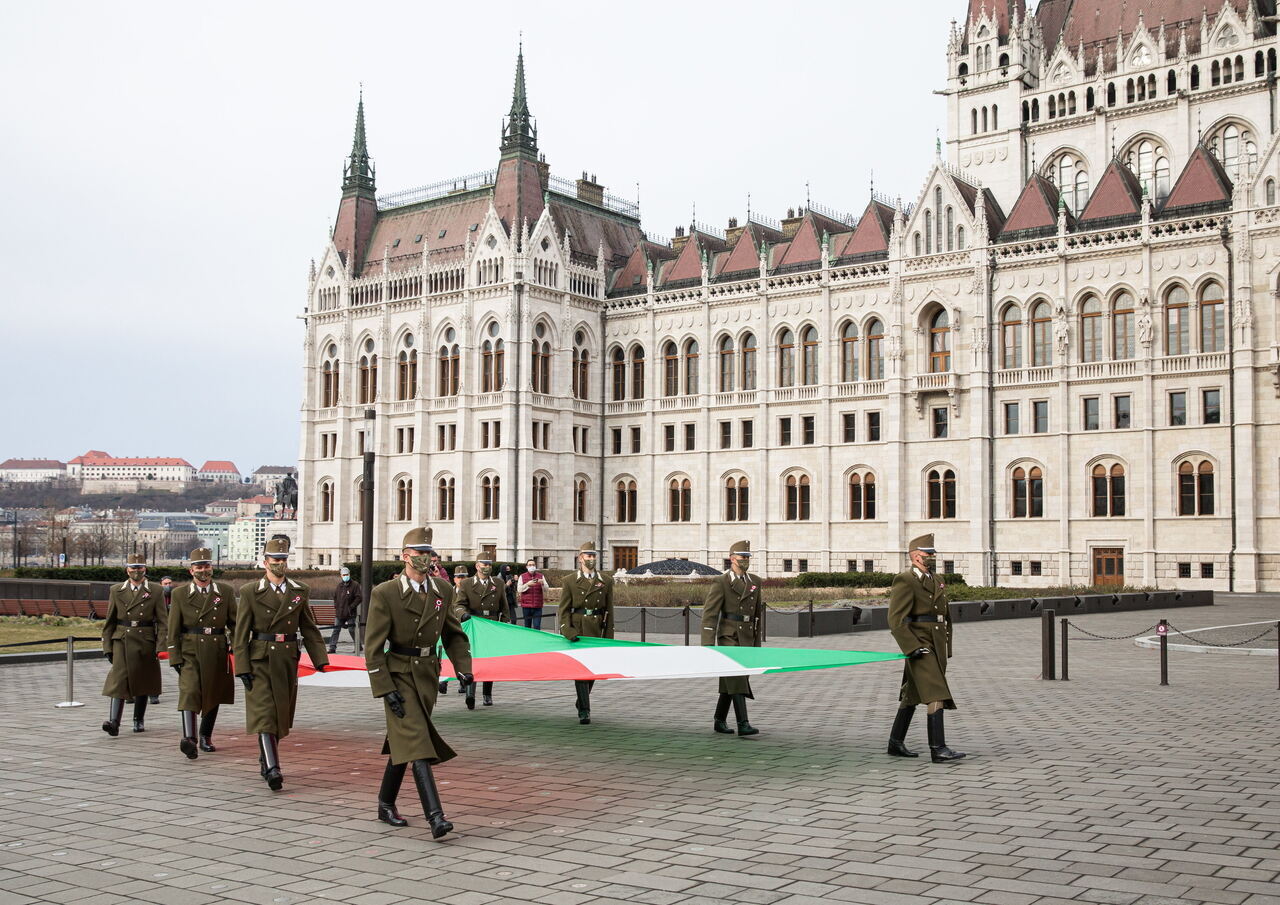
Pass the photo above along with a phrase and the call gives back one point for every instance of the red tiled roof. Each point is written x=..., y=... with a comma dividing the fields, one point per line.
x=1096, y=23
x=688, y=266
x=1202, y=181
x=517, y=192
x=110, y=461
x=635, y=271
x=91, y=454
x=219, y=465
x=1118, y=194
x=32, y=463
x=261, y=499
x=805, y=245
x=745, y=254
x=872, y=232
x=1000, y=10
x=588, y=231
x=427, y=220
x=1036, y=207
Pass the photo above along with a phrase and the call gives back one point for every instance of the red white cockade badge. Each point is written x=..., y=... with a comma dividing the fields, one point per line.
x=297, y=599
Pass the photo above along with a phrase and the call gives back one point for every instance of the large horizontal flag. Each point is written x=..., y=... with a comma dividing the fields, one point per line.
x=511, y=653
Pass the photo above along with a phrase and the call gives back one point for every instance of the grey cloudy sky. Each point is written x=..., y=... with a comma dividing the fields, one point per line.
x=171, y=168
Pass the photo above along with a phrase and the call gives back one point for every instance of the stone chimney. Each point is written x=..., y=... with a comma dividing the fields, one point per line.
x=590, y=191
x=678, y=240
x=731, y=234
x=792, y=222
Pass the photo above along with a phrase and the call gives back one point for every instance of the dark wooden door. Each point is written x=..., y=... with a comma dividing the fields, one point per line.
x=1108, y=566
x=624, y=557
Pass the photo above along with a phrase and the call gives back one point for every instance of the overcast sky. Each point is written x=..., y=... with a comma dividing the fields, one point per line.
x=169, y=169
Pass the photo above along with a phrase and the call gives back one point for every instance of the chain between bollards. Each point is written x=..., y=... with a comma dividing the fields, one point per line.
x=71, y=675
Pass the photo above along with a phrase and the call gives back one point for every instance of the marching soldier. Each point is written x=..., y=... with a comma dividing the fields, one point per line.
x=482, y=595
x=201, y=614
x=585, y=611
x=731, y=618
x=135, y=621
x=408, y=617
x=272, y=612
x=920, y=621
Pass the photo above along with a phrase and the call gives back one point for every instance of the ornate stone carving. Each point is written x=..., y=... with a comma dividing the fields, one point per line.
x=1061, y=330
x=1144, y=320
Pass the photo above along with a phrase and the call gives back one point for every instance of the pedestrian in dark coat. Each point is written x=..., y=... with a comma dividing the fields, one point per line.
x=347, y=597
x=135, y=624
x=585, y=611
x=201, y=620
x=731, y=618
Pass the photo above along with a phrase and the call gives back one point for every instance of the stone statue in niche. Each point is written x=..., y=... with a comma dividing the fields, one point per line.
x=1061, y=330
x=1144, y=320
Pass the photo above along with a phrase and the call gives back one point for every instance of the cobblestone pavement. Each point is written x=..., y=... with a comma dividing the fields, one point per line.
x=1105, y=789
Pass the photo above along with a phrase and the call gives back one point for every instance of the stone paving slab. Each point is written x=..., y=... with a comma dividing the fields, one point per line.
x=1107, y=789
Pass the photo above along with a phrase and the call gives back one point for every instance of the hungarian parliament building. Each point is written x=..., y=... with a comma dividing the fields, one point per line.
x=1060, y=356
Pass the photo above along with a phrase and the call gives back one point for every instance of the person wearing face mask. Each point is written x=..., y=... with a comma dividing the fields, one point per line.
x=408, y=617
x=271, y=615
x=920, y=621
x=135, y=621
x=347, y=598
x=166, y=587
x=482, y=595
x=731, y=618
x=201, y=617
x=532, y=587
x=585, y=611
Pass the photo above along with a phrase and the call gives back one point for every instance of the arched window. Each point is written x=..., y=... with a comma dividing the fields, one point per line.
x=1171, y=82
x=1027, y=493
x=691, y=367
x=1269, y=191
x=849, y=352
x=928, y=232
x=541, y=371
x=637, y=372
x=404, y=499
x=973, y=121
x=492, y=373
x=1195, y=78
x=1195, y=488
x=1071, y=103
x=941, y=493
x=951, y=228
x=875, y=349
x=1213, y=336
x=1122, y=338
x=915, y=244
x=1215, y=74
x=449, y=368
x=580, y=501
x=809, y=356
x=797, y=498
x=326, y=501
x=985, y=125
x=1151, y=85
x=368, y=374
x=445, y=488
x=1239, y=68
x=1150, y=163
x=1091, y=347
x=1111, y=94
x=736, y=500
x=539, y=498
x=1035, y=109
x=1011, y=337
x=940, y=342
x=995, y=117
x=490, y=497
x=1235, y=146
x=1067, y=171
x=1041, y=341
x=670, y=370
x=1053, y=107
x=679, y=500
x=618, y=373
x=329, y=378
x=625, y=501
x=749, y=361
x=1088, y=99
x=1107, y=491
x=960, y=238
x=407, y=370
x=1129, y=92
x=786, y=358
x=1026, y=112
x=862, y=495
x=1177, y=340
x=1259, y=64
x=727, y=364
x=581, y=366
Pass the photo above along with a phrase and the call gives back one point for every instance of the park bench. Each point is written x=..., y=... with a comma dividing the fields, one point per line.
x=323, y=613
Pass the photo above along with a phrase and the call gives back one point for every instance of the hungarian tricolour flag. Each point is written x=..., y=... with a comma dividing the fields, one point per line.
x=512, y=653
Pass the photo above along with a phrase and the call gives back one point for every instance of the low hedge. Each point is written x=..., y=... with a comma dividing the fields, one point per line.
x=857, y=579
x=100, y=573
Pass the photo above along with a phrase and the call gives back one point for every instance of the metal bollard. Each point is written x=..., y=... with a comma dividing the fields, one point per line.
x=1278, y=655
x=1163, y=629
x=1046, y=645
x=71, y=676
x=686, y=625
x=641, y=623
x=764, y=621
x=811, y=624
x=1066, y=676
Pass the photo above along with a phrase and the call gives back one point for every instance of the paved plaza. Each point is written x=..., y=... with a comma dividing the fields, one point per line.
x=1105, y=789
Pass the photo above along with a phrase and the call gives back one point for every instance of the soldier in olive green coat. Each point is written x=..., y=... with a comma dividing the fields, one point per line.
x=272, y=612
x=482, y=595
x=201, y=619
x=134, y=626
x=585, y=611
x=731, y=618
x=920, y=621
x=408, y=617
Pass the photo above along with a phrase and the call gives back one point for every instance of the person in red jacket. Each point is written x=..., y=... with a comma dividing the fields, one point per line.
x=531, y=588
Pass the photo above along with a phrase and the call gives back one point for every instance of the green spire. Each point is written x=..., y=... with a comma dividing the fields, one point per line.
x=359, y=171
x=519, y=131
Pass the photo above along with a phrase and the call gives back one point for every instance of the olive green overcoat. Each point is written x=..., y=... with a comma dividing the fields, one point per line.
x=923, y=680
x=401, y=616
x=476, y=598
x=135, y=669
x=200, y=630
x=731, y=617
x=269, y=705
x=586, y=606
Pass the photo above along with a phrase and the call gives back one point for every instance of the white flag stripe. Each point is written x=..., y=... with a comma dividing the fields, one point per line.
x=671, y=662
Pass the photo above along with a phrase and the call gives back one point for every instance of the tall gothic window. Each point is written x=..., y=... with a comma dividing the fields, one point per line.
x=1041, y=340
x=404, y=499
x=679, y=500
x=580, y=500
x=1213, y=334
x=448, y=364
x=1107, y=491
x=368, y=374
x=1028, y=492
x=727, y=364
x=749, y=361
x=581, y=366
x=625, y=501
x=445, y=489
x=407, y=370
x=1011, y=337
x=1091, y=346
x=539, y=499
x=541, y=370
x=618, y=374
x=849, y=352
x=1122, y=337
x=798, y=501
x=1195, y=488
x=670, y=369
x=941, y=493
x=329, y=378
x=809, y=356
x=1236, y=148
x=1177, y=339
x=1149, y=161
x=940, y=342
x=736, y=500
x=492, y=374
x=490, y=497
x=862, y=495
x=637, y=372
x=875, y=349
x=691, y=367
x=786, y=358
x=326, y=501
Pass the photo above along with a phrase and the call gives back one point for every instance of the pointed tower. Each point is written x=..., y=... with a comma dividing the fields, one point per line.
x=518, y=189
x=358, y=210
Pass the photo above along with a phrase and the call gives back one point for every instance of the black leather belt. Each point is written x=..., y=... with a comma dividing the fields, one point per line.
x=137, y=624
x=586, y=612
x=410, y=651
x=734, y=617
x=926, y=618
x=204, y=631
x=283, y=639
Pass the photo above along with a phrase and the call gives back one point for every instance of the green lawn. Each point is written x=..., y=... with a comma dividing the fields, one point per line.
x=31, y=628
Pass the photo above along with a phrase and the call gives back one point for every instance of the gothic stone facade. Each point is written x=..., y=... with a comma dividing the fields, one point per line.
x=1083, y=388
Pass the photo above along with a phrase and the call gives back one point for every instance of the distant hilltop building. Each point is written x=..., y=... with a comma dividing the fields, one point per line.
x=270, y=476
x=99, y=472
x=219, y=472
x=1059, y=356
x=32, y=470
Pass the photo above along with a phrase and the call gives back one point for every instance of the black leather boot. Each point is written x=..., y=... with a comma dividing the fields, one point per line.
x=115, y=712
x=188, y=744
x=431, y=806
x=740, y=714
x=139, y=711
x=270, y=761
x=938, y=740
x=444, y=687
x=206, y=729
x=722, y=714
x=392, y=776
x=471, y=695
x=486, y=690
x=583, y=691
x=898, y=734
